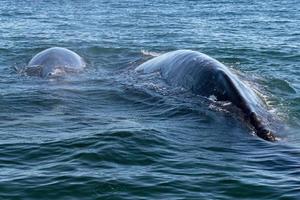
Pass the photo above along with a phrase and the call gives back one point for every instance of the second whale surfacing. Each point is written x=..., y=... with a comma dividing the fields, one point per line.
x=53, y=62
x=207, y=77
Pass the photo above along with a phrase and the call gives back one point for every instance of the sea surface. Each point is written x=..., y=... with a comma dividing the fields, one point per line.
x=108, y=133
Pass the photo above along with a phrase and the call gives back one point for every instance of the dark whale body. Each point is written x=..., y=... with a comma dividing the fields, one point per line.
x=55, y=61
x=206, y=76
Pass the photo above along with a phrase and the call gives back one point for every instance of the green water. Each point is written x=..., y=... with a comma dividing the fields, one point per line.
x=106, y=134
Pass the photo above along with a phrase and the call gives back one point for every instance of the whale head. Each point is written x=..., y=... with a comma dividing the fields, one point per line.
x=53, y=62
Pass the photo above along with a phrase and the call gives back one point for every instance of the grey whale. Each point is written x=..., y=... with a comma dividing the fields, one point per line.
x=55, y=61
x=206, y=76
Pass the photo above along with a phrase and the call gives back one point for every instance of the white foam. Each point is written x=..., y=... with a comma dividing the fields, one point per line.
x=150, y=53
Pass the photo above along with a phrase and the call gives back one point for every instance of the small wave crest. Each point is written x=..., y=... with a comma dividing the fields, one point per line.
x=150, y=53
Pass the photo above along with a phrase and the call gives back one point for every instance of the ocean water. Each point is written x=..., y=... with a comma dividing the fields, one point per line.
x=107, y=133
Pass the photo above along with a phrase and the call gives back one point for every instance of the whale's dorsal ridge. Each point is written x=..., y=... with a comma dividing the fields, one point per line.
x=206, y=76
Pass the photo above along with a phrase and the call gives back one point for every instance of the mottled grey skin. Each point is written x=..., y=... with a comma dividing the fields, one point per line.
x=206, y=76
x=55, y=61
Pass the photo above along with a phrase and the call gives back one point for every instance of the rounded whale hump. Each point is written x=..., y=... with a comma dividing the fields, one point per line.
x=206, y=76
x=55, y=61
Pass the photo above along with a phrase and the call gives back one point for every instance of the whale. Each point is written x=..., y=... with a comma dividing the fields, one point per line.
x=53, y=62
x=207, y=77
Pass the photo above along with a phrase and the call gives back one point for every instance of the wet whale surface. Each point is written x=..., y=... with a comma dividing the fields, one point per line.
x=55, y=61
x=208, y=77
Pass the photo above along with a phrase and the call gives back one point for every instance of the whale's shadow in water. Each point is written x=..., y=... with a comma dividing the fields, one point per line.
x=205, y=76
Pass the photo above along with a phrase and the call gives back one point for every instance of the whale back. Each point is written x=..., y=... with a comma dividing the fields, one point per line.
x=55, y=59
x=202, y=75
x=206, y=76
